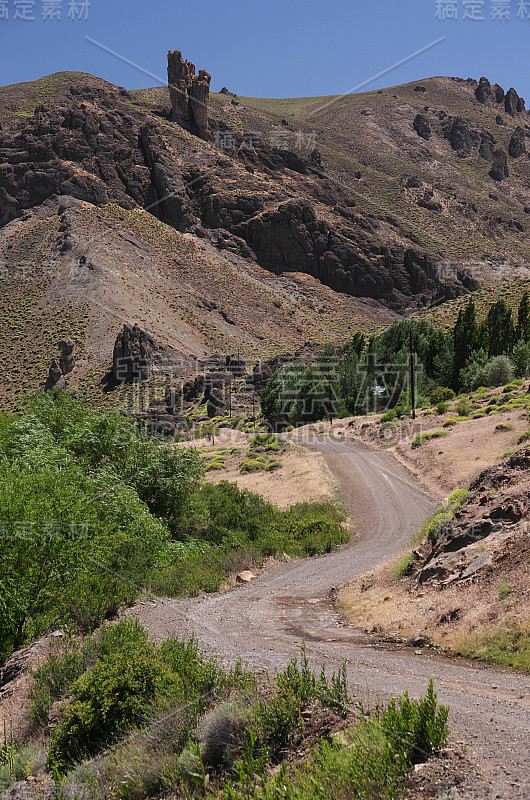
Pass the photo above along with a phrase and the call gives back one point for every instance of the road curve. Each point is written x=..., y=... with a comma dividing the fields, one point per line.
x=265, y=622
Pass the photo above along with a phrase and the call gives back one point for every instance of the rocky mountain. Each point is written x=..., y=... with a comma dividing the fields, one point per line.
x=220, y=223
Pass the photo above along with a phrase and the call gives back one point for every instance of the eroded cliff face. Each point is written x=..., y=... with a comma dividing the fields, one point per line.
x=274, y=207
x=269, y=203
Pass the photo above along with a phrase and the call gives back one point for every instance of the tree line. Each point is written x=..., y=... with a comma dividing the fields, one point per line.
x=366, y=375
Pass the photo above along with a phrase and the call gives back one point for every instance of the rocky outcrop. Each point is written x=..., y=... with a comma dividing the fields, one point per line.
x=133, y=355
x=291, y=238
x=62, y=366
x=517, y=143
x=487, y=146
x=216, y=405
x=499, y=170
x=497, y=509
x=460, y=135
x=422, y=126
x=486, y=93
x=513, y=104
x=83, y=147
x=189, y=94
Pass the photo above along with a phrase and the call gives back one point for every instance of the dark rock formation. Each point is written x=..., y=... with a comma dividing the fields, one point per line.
x=215, y=406
x=84, y=148
x=422, y=126
x=513, y=103
x=55, y=379
x=189, y=94
x=499, y=93
x=292, y=238
x=458, y=132
x=193, y=389
x=67, y=359
x=517, y=143
x=487, y=146
x=499, y=170
x=133, y=355
x=236, y=365
x=61, y=367
x=484, y=92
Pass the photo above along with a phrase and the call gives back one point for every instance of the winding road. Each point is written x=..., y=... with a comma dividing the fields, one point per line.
x=265, y=623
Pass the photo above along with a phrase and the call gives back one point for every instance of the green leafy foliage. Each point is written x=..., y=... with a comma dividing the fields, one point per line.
x=376, y=376
x=92, y=511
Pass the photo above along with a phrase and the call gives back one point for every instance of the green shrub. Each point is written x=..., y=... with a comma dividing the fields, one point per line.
x=417, y=727
x=111, y=697
x=370, y=760
x=504, y=426
x=444, y=513
x=402, y=567
x=260, y=464
x=523, y=437
x=389, y=416
x=421, y=438
x=441, y=394
x=17, y=762
x=442, y=407
x=462, y=408
x=453, y=421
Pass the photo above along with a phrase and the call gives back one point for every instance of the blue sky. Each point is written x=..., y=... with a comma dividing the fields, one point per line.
x=273, y=47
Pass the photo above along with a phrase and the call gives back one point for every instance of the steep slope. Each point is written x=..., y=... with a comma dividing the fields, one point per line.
x=360, y=207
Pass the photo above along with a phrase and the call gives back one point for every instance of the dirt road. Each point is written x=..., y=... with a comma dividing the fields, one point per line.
x=266, y=622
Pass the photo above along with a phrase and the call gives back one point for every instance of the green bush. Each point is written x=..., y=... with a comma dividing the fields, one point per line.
x=111, y=697
x=453, y=421
x=504, y=426
x=440, y=395
x=418, y=728
x=260, y=464
x=421, y=438
x=462, y=408
x=444, y=513
x=369, y=761
x=403, y=565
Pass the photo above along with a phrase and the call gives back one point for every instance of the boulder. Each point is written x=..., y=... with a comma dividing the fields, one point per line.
x=245, y=576
x=216, y=406
x=458, y=132
x=55, y=379
x=67, y=359
x=499, y=169
x=487, y=146
x=61, y=367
